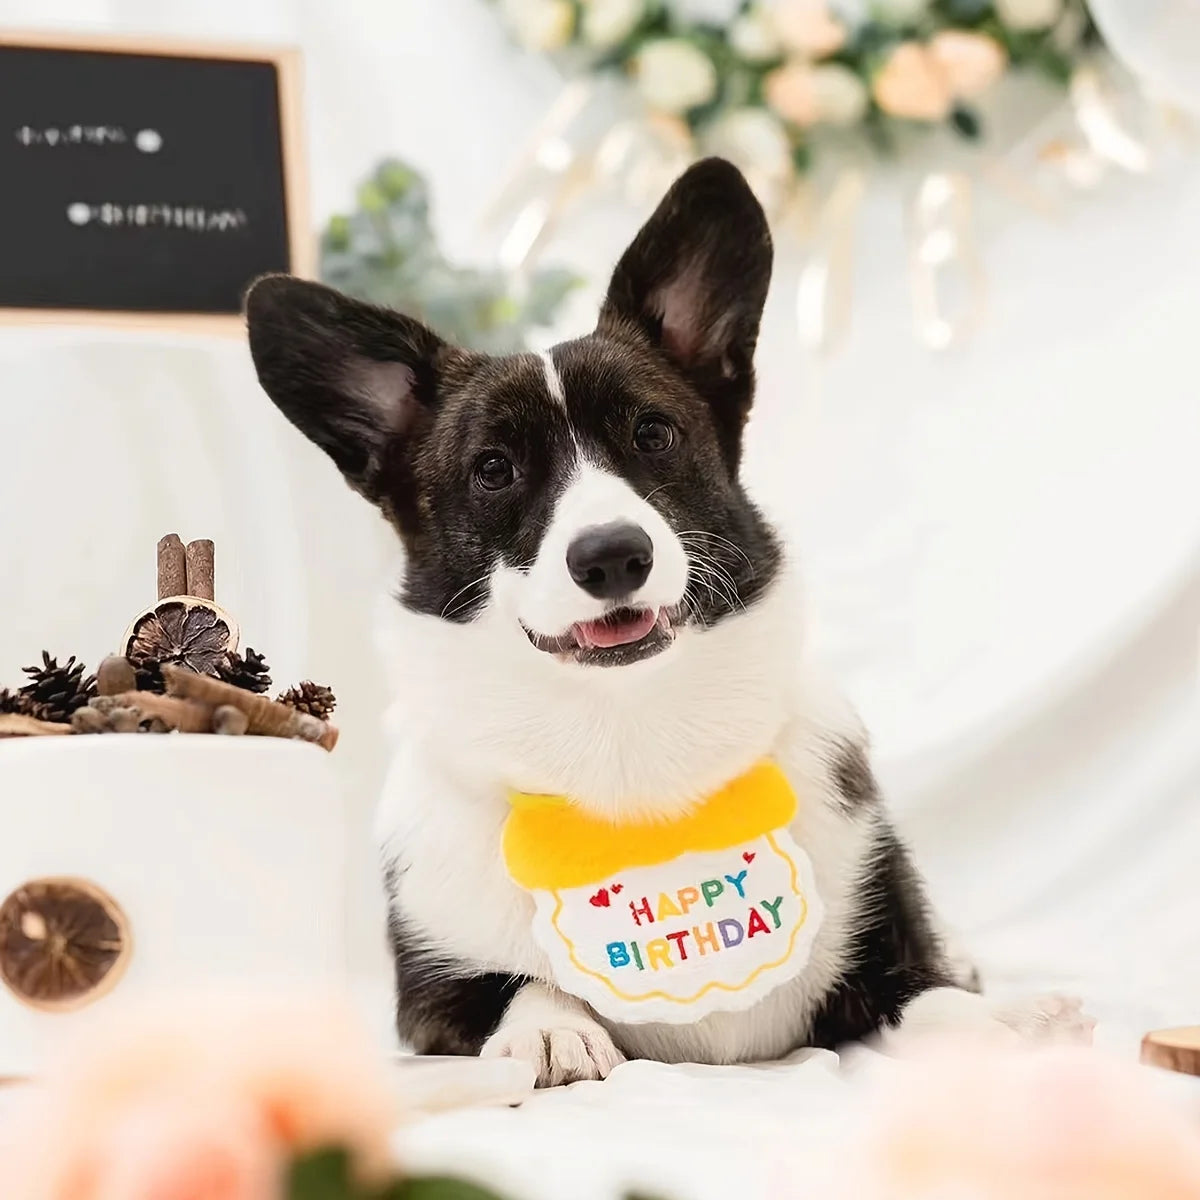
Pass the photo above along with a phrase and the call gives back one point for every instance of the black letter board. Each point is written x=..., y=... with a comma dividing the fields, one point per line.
x=145, y=180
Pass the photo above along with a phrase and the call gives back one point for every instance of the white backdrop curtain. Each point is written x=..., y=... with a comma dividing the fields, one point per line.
x=1003, y=543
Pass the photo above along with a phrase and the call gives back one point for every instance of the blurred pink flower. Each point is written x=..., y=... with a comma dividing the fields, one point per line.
x=204, y=1099
x=1057, y=1124
x=971, y=61
x=808, y=27
x=912, y=83
x=789, y=90
x=172, y=1147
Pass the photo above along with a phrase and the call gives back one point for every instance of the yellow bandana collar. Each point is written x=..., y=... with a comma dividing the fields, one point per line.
x=551, y=843
x=669, y=920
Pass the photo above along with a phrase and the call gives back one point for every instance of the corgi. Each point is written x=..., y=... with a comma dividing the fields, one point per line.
x=593, y=607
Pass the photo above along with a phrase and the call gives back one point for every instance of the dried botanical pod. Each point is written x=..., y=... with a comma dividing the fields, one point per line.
x=312, y=698
x=91, y=719
x=59, y=690
x=185, y=631
x=25, y=705
x=116, y=675
x=125, y=720
x=63, y=943
x=250, y=673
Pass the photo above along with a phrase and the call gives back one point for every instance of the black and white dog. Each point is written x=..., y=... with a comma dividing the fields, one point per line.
x=593, y=607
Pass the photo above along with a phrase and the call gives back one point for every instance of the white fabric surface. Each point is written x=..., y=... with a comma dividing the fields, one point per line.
x=1003, y=545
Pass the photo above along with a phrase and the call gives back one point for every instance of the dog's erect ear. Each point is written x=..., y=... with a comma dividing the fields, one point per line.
x=352, y=377
x=695, y=278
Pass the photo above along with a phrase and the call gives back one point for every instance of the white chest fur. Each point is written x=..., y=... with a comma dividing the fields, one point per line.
x=456, y=892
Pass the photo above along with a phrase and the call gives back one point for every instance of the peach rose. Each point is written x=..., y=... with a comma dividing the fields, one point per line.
x=913, y=84
x=790, y=91
x=808, y=27
x=972, y=62
x=1057, y=1124
x=204, y=1099
x=187, y=1147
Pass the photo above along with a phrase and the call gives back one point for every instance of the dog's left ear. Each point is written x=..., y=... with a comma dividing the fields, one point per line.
x=695, y=279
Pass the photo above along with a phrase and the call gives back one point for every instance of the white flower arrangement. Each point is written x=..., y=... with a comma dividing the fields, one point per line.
x=759, y=74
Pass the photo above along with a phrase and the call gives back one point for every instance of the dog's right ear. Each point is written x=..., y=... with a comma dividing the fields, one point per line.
x=353, y=378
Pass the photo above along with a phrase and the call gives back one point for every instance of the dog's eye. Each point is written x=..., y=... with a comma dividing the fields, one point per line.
x=493, y=472
x=653, y=435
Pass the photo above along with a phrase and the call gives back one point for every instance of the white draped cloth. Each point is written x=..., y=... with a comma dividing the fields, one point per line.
x=1002, y=543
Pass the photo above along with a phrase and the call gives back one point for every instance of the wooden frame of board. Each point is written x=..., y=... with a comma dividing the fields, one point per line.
x=301, y=238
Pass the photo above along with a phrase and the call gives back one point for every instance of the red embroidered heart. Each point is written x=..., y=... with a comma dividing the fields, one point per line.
x=616, y=888
x=600, y=899
x=747, y=856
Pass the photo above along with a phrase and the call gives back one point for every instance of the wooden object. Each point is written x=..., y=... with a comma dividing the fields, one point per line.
x=172, y=567
x=201, y=569
x=230, y=721
x=266, y=717
x=116, y=675
x=115, y=218
x=1173, y=1049
x=18, y=725
x=184, y=715
x=63, y=943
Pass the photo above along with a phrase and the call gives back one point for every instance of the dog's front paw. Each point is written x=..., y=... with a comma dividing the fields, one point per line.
x=566, y=1053
x=1051, y=1018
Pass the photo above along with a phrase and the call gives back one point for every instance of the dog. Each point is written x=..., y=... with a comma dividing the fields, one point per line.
x=592, y=606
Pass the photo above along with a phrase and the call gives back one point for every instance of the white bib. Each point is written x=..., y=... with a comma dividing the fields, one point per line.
x=669, y=921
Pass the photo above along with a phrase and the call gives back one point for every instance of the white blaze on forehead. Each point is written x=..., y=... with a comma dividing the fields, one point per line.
x=554, y=383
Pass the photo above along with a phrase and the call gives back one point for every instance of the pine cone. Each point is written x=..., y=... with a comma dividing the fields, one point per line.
x=148, y=672
x=61, y=690
x=26, y=706
x=250, y=673
x=311, y=698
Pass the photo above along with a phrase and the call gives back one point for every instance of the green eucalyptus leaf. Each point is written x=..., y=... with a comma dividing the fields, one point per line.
x=394, y=178
x=323, y=1175
x=371, y=197
x=438, y=1188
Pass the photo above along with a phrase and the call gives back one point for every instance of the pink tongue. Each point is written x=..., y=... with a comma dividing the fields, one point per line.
x=604, y=633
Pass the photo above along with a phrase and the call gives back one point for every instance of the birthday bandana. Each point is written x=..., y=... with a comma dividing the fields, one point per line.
x=669, y=921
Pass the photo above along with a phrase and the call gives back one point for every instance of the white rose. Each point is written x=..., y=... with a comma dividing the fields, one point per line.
x=609, y=22
x=898, y=12
x=540, y=24
x=710, y=12
x=673, y=75
x=752, y=139
x=841, y=97
x=1029, y=14
x=753, y=37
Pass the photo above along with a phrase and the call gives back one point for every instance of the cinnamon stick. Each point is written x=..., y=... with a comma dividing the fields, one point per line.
x=229, y=721
x=188, y=716
x=201, y=569
x=172, y=566
x=266, y=717
x=19, y=725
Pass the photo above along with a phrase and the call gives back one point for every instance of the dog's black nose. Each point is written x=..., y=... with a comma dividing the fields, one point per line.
x=610, y=561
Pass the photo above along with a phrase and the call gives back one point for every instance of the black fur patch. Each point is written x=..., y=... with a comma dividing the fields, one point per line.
x=894, y=954
x=441, y=1006
x=853, y=777
x=408, y=418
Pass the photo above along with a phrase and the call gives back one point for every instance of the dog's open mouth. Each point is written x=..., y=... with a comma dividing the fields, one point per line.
x=624, y=635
